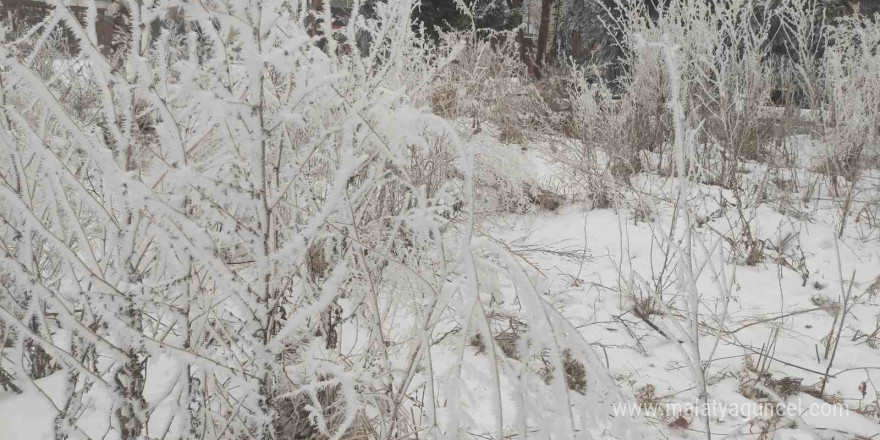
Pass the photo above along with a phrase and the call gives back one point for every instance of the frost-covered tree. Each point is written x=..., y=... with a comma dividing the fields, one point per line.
x=204, y=198
x=232, y=223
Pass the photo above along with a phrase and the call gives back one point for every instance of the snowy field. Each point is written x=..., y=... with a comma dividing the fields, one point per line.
x=224, y=224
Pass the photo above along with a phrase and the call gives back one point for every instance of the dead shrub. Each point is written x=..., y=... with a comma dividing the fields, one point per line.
x=545, y=198
x=294, y=415
x=508, y=331
x=610, y=135
x=754, y=378
x=489, y=84
x=647, y=398
x=845, y=161
x=575, y=373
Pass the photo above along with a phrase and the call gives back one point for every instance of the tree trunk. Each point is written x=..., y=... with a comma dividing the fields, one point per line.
x=543, y=33
x=525, y=56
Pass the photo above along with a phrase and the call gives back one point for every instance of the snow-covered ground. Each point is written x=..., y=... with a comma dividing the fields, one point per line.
x=592, y=263
x=601, y=268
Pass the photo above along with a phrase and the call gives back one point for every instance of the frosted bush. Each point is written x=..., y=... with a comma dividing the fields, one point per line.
x=852, y=75
x=247, y=225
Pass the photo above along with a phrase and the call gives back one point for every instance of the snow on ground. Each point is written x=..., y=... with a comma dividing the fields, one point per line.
x=29, y=415
x=780, y=307
x=592, y=264
x=596, y=307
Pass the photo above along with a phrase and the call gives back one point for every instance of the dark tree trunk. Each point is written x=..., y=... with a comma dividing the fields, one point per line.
x=543, y=33
x=525, y=54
